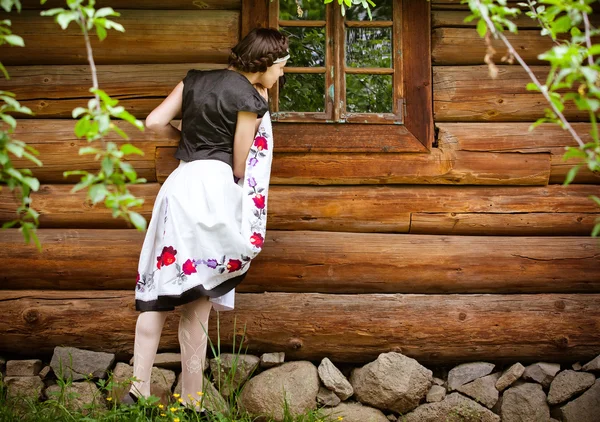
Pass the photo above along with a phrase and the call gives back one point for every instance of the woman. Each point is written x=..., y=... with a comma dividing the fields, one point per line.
x=199, y=241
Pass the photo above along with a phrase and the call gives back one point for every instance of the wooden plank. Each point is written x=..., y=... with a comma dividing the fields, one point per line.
x=518, y=224
x=433, y=329
x=255, y=14
x=463, y=46
x=439, y=167
x=144, y=4
x=493, y=210
x=327, y=262
x=455, y=19
x=469, y=94
x=151, y=36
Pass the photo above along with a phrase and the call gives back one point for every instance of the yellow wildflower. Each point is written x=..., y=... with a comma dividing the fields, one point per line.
x=189, y=395
x=163, y=414
x=160, y=406
x=109, y=398
x=175, y=419
x=180, y=400
x=200, y=393
x=340, y=418
x=173, y=409
x=176, y=395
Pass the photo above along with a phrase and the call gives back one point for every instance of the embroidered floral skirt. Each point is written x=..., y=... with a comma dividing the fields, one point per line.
x=194, y=246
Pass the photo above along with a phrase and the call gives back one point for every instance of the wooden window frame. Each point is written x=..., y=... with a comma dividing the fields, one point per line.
x=410, y=127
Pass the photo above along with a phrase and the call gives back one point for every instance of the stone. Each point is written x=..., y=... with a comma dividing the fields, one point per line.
x=45, y=372
x=328, y=398
x=78, y=364
x=161, y=382
x=296, y=382
x=79, y=396
x=169, y=361
x=467, y=372
x=392, y=382
x=391, y=417
x=436, y=393
x=584, y=408
x=482, y=390
x=334, y=380
x=438, y=381
x=567, y=384
x=509, y=376
x=355, y=412
x=593, y=365
x=23, y=387
x=541, y=372
x=455, y=407
x=525, y=403
x=230, y=371
x=211, y=399
x=577, y=366
x=23, y=368
x=269, y=360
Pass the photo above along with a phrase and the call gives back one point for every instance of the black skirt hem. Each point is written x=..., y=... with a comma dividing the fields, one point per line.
x=168, y=303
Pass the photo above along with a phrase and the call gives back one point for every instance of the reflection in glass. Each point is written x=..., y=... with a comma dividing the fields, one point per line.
x=381, y=12
x=369, y=93
x=303, y=92
x=309, y=9
x=307, y=46
x=369, y=47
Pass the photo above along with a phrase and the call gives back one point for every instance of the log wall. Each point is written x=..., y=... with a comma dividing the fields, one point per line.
x=477, y=234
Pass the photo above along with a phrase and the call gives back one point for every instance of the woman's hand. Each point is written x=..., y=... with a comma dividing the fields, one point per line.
x=262, y=91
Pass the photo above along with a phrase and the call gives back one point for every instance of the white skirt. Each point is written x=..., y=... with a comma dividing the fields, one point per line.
x=194, y=246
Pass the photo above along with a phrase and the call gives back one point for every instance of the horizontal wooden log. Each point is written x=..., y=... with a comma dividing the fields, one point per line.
x=456, y=19
x=469, y=94
x=551, y=210
x=299, y=261
x=438, y=167
x=434, y=329
x=144, y=4
x=151, y=36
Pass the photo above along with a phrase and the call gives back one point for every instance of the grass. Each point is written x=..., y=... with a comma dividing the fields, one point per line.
x=61, y=406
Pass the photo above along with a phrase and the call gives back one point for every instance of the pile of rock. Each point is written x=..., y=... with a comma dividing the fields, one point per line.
x=394, y=387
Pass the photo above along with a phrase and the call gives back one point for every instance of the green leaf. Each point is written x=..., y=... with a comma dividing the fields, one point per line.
x=78, y=111
x=65, y=18
x=10, y=120
x=571, y=175
x=531, y=86
x=101, y=32
x=32, y=182
x=481, y=28
x=596, y=230
x=107, y=166
x=103, y=12
x=82, y=127
x=130, y=149
x=138, y=221
x=97, y=193
x=14, y=40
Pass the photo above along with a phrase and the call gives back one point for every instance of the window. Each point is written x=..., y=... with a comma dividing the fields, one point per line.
x=354, y=70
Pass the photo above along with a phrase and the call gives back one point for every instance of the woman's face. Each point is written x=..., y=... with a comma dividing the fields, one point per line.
x=272, y=75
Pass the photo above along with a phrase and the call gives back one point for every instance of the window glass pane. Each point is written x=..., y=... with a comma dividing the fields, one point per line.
x=381, y=12
x=303, y=92
x=369, y=47
x=309, y=10
x=307, y=46
x=369, y=93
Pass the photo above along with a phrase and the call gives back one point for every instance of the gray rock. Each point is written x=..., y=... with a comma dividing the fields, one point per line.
x=23, y=368
x=509, y=376
x=393, y=382
x=161, y=382
x=577, y=366
x=584, y=408
x=296, y=382
x=211, y=399
x=230, y=371
x=79, y=396
x=269, y=360
x=328, y=398
x=525, y=403
x=78, y=364
x=23, y=387
x=482, y=390
x=168, y=361
x=567, y=384
x=455, y=407
x=334, y=380
x=541, y=372
x=438, y=381
x=355, y=412
x=45, y=372
x=391, y=417
x=467, y=372
x=593, y=365
x=436, y=393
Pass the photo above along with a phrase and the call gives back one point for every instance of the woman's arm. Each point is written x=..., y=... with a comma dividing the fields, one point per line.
x=159, y=120
x=245, y=131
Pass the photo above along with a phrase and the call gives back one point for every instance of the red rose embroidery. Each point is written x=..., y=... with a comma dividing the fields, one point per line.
x=234, y=265
x=167, y=257
x=138, y=278
x=257, y=240
x=259, y=201
x=261, y=143
x=189, y=267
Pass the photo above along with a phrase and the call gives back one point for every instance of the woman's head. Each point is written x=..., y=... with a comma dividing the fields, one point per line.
x=259, y=52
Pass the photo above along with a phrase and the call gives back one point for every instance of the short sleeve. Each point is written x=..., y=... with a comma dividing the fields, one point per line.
x=190, y=76
x=253, y=103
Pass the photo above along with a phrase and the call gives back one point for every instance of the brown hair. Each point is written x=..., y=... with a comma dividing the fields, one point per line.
x=258, y=50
